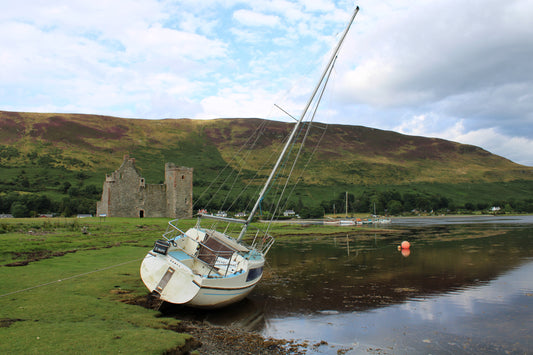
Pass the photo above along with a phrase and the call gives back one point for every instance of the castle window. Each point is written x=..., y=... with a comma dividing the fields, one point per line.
x=182, y=177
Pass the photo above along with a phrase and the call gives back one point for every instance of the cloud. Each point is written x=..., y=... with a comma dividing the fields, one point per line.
x=109, y=63
x=255, y=103
x=252, y=18
x=446, y=68
x=430, y=51
x=433, y=125
x=515, y=148
x=461, y=62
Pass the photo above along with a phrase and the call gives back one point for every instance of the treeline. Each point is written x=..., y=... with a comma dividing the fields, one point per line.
x=82, y=199
x=77, y=200
x=372, y=202
x=395, y=203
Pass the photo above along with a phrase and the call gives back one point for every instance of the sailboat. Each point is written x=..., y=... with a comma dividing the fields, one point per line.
x=347, y=221
x=219, y=260
x=342, y=222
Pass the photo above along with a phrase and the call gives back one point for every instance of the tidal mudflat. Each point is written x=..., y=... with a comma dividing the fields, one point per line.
x=465, y=286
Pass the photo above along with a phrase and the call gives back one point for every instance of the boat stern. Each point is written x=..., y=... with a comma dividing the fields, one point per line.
x=173, y=281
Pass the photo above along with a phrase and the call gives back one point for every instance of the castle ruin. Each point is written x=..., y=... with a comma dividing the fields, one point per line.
x=125, y=193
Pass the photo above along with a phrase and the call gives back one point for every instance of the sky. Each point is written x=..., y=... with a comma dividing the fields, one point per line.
x=451, y=69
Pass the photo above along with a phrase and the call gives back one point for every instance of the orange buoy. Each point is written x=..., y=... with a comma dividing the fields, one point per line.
x=405, y=245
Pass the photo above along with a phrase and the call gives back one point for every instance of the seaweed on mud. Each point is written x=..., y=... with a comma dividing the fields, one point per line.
x=28, y=257
x=6, y=322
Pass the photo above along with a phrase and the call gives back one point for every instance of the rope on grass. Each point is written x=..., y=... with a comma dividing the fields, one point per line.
x=68, y=278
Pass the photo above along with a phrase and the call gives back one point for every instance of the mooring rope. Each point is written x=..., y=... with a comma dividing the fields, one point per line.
x=68, y=278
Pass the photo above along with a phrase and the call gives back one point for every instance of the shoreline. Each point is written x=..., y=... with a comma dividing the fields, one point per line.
x=210, y=339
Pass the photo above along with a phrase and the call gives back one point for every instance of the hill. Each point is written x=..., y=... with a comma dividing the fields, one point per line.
x=46, y=152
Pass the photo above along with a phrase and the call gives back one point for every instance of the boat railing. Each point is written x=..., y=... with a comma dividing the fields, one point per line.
x=216, y=255
x=262, y=242
x=254, y=238
x=173, y=230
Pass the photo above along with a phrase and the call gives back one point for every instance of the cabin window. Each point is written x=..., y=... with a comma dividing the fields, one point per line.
x=254, y=274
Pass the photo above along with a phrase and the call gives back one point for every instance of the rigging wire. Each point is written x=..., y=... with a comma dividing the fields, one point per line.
x=309, y=126
x=68, y=278
x=257, y=132
x=246, y=159
x=266, y=163
x=240, y=158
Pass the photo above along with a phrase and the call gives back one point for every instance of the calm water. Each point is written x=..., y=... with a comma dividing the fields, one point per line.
x=464, y=288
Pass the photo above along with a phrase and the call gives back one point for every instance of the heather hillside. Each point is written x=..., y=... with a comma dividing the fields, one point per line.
x=47, y=152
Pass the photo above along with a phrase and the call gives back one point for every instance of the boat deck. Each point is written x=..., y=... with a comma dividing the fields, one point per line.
x=179, y=255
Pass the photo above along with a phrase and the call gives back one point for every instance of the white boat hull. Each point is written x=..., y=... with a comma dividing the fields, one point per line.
x=201, y=268
x=176, y=283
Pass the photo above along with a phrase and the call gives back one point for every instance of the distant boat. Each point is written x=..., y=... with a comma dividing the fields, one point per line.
x=342, y=222
x=205, y=267
x=382, y=220
x=347, y=222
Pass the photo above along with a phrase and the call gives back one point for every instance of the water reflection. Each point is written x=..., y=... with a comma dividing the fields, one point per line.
x=459, y=286
x=495, y=317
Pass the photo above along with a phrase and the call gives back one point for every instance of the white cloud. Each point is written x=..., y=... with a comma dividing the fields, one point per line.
x=518, y=149
x=429, y=125
x=252, y=18
x=237, y=101
x=319, y=5
x=447, y=68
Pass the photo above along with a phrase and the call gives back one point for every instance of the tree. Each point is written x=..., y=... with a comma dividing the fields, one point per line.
x=90, y=191
x=409, y=202
x=19, y=209
x=362, y=204
x=312, y=212
x=422, y=203
x=394, y=207
x=22, y=180
x=66, y=186
x=482, y=205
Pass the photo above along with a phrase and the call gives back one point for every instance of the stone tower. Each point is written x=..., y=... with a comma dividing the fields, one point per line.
x=126, y=194
x=178, y=182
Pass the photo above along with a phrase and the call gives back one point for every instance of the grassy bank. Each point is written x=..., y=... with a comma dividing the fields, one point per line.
x=67, y=298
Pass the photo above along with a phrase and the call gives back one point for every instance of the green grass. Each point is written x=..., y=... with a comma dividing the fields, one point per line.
x=22, y=237
x=72, y=303
x=81, y=314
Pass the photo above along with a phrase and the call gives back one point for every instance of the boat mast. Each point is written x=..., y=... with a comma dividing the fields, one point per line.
x=295, y=129
x=346, y=204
